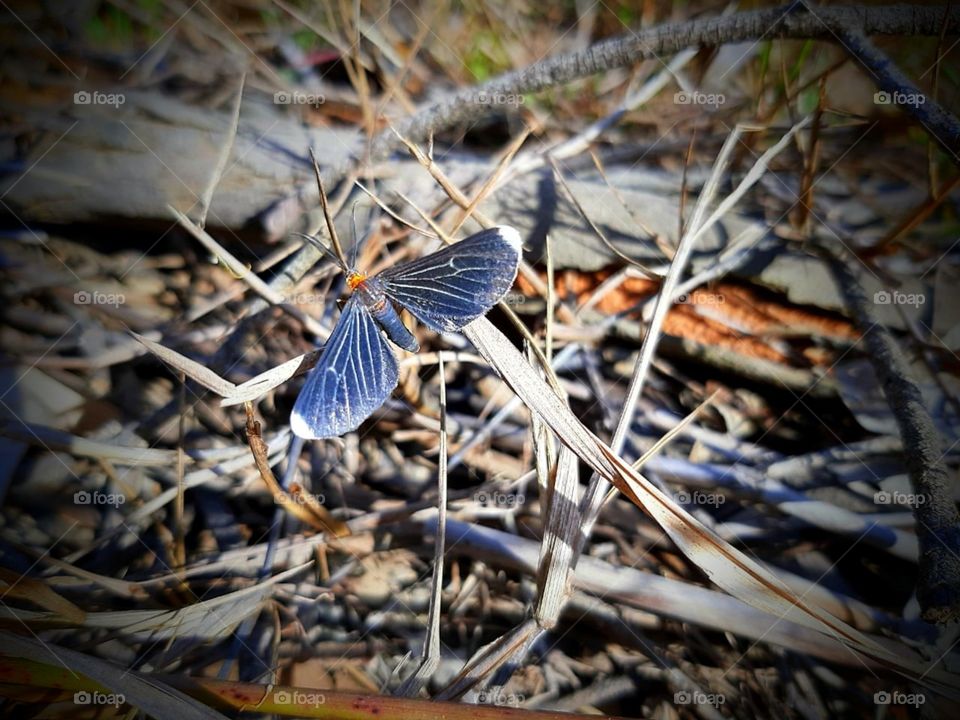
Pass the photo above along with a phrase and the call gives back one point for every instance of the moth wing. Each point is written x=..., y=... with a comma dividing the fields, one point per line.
x=355, y=375
x=457, y=284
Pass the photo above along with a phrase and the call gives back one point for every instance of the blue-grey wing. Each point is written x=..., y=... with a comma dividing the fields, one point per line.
x=356, y=373
x=447, y=289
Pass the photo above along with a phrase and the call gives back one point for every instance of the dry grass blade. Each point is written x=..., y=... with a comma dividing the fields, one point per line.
x=277, y=447
x=211, y=620
x=688, y=603
x=430, y=658
x=695, y=230
x=239, y=270
x=51, y=439
x=248, y=391
x=491, y=182
x=263, y=383
x=236, y=268
x=674, y=432
x=152, y=696
x=191, y=368
x=559, y=538
x=224, y=155
x=120, y=588
x=13, y=585
x=488, y=658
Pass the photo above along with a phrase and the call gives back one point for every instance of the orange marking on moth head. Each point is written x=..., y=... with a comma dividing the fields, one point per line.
x=355, y=279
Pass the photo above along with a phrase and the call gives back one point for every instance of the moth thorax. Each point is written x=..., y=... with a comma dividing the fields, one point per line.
x=355, y=279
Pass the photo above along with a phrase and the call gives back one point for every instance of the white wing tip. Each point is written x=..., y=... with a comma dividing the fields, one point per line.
x=301, y=428
x=511, y=236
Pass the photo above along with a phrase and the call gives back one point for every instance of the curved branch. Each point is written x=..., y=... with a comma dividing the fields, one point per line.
x=790, y=21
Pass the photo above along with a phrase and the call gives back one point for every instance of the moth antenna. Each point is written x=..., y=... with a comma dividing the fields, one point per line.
x=315, y=241
x=328, y=218
x=355, y=250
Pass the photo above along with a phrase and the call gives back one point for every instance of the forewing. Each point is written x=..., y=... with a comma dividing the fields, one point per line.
x=355, y=375
x=447, y=289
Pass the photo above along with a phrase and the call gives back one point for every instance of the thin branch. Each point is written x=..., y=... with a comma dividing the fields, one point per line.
x=897, y=89
x=937, y=521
